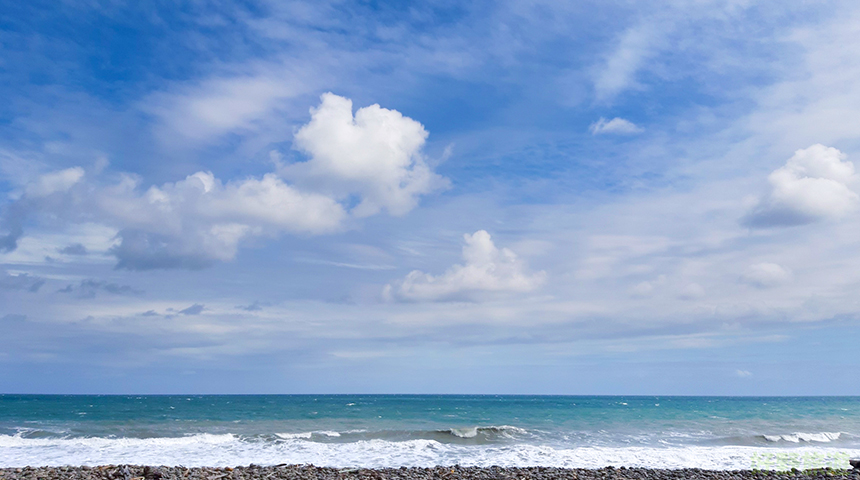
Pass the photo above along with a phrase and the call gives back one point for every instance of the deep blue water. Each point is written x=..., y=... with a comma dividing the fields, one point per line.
x=394, y=430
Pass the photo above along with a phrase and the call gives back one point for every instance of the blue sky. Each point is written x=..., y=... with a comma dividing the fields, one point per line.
x=445, y=197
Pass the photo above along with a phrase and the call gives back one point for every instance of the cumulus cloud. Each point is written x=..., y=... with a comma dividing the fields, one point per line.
x=73, y=249
x=617, y=126
x=254, y=307
x=20, y=281
x=374, y=154
x=358, y=166
x=197, y=221
x=195, y=309
x=88, y=288
x=47, y=191
x=42, y=191
x=486, y=268
x=815, y=184
x=764, y=275
x=12, y=232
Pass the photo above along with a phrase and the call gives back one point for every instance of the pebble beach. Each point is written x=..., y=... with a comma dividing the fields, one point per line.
x=310, y=472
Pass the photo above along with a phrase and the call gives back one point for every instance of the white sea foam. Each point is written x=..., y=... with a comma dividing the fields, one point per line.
x=506, y=431
x=286, y=436
x=821, y=437
x=231, y=450
x=308, y=435
x=468, y=432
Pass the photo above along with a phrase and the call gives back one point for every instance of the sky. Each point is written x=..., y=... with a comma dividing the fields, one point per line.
x=506, y=197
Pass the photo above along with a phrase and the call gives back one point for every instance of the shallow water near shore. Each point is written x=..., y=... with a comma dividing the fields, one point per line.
x=723, y=433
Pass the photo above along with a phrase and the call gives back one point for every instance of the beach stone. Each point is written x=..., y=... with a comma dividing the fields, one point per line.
x=855, y=462
x=453, y=472
x=152, y=473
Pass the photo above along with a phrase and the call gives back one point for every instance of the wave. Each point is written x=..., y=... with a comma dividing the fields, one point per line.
x=473, y=435
x=785, y=440
x=461, y=435
x=232, y=450
x=821, y=437
x=21, y=441
x=24, y=432
x=311, y=435
x=503, y=431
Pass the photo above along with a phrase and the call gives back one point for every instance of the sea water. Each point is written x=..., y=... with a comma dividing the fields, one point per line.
x=426, y=430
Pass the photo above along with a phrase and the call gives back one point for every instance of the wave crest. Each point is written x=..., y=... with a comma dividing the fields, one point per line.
x=232, y=450
x=473, y=435
x=800, y=437
x=503, y=431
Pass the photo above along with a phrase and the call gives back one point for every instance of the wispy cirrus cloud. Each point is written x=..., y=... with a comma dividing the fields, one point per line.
x=635, y=46
x=224, y=104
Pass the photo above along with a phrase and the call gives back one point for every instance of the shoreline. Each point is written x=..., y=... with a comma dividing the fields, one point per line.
x=456, y=472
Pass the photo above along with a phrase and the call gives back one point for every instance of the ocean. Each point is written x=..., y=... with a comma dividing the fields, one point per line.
x=723, y=433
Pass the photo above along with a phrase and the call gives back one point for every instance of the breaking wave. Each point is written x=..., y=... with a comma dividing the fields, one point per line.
x=232, y=450
x=477, y=435
x=490, y=433
x=821, y=437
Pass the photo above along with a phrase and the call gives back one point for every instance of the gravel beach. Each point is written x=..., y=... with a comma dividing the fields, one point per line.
x=310, y=472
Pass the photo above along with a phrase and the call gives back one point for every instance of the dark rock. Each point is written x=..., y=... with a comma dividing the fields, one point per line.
x=123, y=473
x=451, y=472
x=855, y=462
x=152, y=473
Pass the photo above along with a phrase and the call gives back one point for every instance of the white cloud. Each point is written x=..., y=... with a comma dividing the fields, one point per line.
x=743, y=373
x=223, y=105
x=815, y=184
x=618, y=72
x=20, y=281
x=375, y=154
x=617, y=125
x=642, y=289
x=691, y=291
x=55, y=182
x=647, y=288
x=486, y=269
x=765, y=275
x=816, y=95
x=198, y=220
x=373, y=159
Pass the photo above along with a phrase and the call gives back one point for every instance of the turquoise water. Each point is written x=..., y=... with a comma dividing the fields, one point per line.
x=421, y=430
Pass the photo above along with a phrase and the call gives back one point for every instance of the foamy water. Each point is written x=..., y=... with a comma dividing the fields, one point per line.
x=231, y=450
x=390, y=431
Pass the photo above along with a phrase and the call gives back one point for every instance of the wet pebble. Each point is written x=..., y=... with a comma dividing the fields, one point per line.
x=310, y=472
